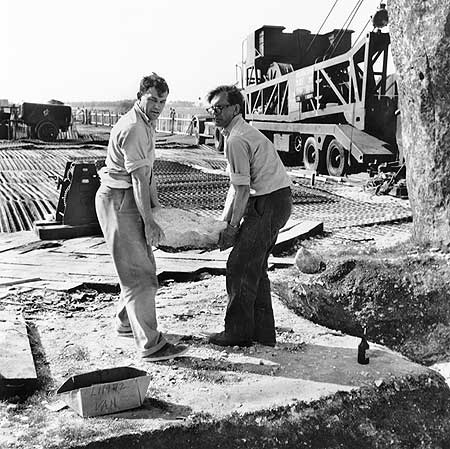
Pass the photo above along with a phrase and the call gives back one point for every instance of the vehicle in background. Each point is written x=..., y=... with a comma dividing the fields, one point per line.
x=42, y=121
x=324, y=103
x=45, y=120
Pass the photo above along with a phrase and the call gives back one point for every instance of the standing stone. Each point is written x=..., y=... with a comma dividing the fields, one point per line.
x=420, y=32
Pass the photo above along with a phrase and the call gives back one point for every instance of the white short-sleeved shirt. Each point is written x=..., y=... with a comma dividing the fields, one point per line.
x=131, y=146
x=252, y=159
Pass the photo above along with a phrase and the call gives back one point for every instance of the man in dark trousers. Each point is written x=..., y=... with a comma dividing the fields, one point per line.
x=258, y=205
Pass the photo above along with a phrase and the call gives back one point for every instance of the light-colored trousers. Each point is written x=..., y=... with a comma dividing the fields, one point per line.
x=133, y=259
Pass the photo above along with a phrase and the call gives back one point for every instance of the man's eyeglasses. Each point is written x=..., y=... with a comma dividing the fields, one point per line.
x=217, y=109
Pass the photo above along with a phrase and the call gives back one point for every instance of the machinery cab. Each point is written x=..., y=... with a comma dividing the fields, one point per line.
x=46, y=119
x=270, y=52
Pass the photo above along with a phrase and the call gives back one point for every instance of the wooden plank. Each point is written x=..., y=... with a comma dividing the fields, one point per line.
x=57, y=265
x=65, y=285
x=66, y=270
x=300, y=231
x=187, y=255
x=188, y=266
x=215, y=256
x=45, y=257
x=57, y=232
x=18, y=281
x=288, y=236
x=17, y=371
x=9, y=241
x=82, y=244
x=52, y=273
x=103, y=267
x=280, y=262
x=34, y=246
x=85, y=272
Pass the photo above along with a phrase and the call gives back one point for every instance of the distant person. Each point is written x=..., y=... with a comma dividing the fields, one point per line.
x=124, y=204
x=257, y=206
x=172, y=115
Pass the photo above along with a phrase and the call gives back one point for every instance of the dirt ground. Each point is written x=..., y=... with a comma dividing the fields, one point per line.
x=73, y=333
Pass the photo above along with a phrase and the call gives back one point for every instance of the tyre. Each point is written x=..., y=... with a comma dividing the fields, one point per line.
x=337, y=164
x=311, y=155
x=47, y=131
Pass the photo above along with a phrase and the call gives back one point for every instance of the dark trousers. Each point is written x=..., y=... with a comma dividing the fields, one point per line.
x=249, y=314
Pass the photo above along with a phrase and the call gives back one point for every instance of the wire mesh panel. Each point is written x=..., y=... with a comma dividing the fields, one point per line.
x=185, y=187
x=28, y=190
x=28, y=180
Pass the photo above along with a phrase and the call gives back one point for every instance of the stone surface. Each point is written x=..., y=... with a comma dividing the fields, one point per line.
x=420, y=33
x=17, y=371
x=186, y=229
x=308, y=391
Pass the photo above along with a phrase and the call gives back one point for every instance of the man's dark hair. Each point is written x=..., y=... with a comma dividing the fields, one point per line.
x=155, y=81
x=234, y=95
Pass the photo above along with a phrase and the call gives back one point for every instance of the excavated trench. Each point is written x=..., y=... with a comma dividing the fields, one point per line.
x=401, y=300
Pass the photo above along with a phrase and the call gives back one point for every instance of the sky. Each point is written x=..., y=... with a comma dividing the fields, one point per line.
x=87, y=50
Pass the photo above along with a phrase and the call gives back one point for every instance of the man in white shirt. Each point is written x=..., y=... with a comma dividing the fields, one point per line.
x=258, y=205
x=124, y=204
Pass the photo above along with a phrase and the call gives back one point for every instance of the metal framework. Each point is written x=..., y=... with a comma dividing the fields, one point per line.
x=342, y=85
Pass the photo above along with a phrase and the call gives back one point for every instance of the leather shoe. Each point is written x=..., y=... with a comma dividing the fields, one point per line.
x=223, y=339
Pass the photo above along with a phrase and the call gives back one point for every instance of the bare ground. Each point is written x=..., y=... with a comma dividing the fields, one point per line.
x=308, y=391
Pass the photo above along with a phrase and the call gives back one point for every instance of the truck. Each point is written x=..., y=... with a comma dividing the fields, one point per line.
x=45, y=120
x=324, y=103
x=42, y=121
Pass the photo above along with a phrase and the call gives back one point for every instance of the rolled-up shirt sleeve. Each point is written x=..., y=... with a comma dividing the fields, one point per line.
x=238, y=161
x=134, y=145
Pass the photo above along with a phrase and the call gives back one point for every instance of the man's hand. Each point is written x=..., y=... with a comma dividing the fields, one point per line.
x=227, y=237
x=153, y=233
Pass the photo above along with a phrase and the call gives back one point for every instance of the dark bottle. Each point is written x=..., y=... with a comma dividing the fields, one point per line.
x=362, y=348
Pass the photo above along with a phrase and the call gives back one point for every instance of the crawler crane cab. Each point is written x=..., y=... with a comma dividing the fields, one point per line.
x=322, y=102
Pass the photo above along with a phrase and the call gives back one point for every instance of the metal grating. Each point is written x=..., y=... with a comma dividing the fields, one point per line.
x=28, y=190
x=186, y=187
x=28, y=174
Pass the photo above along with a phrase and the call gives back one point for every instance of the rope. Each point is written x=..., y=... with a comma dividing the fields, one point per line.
x=341, y=33
x=362, y=31
x=321, y=26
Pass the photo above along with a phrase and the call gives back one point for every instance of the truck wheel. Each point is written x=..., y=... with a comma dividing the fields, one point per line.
x=336, y=159
x=311, y=154
x=298, y=143
x=47, y=131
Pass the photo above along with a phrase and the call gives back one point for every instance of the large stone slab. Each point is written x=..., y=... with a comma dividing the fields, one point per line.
x=187, y=229
x=299, y=231
x=310, y=394
x=17, y=371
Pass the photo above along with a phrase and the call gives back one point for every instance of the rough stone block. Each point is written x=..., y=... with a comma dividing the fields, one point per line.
x=188, y=230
